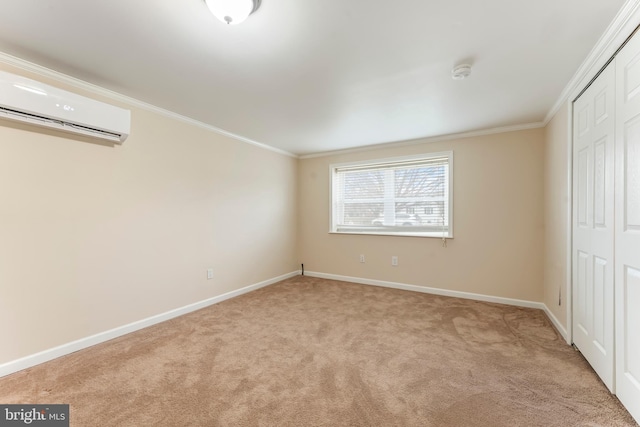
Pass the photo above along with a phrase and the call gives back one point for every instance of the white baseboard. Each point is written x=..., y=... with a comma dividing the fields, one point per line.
x=557, y=324
x=64, y=349
x=428, y=290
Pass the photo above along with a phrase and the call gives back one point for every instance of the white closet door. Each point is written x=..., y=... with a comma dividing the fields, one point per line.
x=593, y=225
x=627, y=205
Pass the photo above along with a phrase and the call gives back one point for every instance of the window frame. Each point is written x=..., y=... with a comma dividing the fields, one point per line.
x=391, y=230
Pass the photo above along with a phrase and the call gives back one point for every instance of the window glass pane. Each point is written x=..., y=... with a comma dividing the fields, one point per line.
x=404, y=217
x=363, y=214
x=365, y=184
x=434, y=213
x=420, y=181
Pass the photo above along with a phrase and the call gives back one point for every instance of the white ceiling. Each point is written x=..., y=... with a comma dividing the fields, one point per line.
x=313, y=76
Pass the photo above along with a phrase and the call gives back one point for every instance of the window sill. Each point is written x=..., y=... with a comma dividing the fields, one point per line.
x=414, y=233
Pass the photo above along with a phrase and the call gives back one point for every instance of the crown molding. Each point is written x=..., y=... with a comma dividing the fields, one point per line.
x=622, y=26
x=97, y=90
x=449, y=137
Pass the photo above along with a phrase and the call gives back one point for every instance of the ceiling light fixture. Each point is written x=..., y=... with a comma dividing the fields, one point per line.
x=461, y=72
x=232, y=12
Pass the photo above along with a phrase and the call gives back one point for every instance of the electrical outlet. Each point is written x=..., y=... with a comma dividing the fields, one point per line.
x=394, y=261
x=362, y=259
x=209, y=273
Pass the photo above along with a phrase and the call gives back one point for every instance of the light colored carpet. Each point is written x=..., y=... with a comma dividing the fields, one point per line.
x=313, y=352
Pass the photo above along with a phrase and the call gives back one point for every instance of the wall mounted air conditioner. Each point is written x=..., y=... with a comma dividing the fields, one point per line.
x=36, y=103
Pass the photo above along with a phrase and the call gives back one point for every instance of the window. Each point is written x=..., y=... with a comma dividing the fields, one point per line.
x=407, y=196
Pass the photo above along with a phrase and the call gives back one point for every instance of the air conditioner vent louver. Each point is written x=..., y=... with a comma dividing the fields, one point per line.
x=58, y=124
x=32, y=102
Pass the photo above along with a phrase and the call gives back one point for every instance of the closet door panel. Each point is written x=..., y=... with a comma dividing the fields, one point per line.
x=627, y=207
x=593, y=225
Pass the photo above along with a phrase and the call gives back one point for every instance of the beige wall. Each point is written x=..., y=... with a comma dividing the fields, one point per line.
x=498, y=221
x=557, y=206
x=93, y=237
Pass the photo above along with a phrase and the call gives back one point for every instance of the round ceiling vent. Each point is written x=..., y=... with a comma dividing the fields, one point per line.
x=461, y=71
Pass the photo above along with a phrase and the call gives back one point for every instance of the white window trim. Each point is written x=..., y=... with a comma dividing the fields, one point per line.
x=372, y=162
